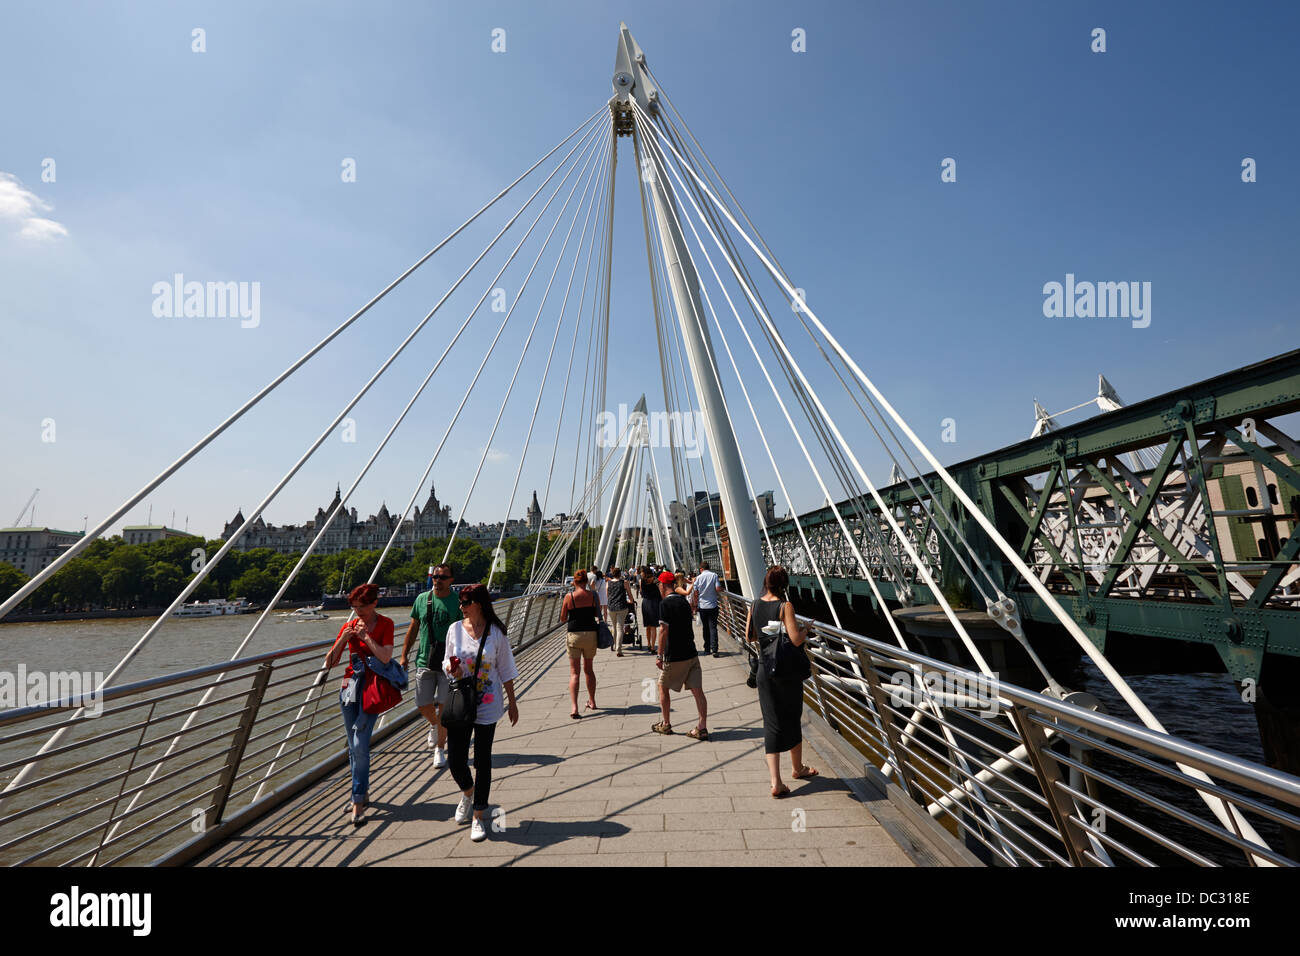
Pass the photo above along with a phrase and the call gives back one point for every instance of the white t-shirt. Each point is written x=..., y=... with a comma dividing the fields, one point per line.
x=498, y=667
x=600, y=589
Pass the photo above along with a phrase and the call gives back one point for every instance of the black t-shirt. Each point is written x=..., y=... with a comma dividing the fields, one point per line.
x=675, y=614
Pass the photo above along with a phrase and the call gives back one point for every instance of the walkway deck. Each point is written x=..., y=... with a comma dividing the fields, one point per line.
x=602, y=791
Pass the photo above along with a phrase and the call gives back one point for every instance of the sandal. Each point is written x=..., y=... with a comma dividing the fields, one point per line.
x=783, y=792
x=698, y=734
x=662, y=728
x=805, y=773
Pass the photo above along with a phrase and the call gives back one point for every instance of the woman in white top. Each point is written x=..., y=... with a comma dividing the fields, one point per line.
x=496, y=676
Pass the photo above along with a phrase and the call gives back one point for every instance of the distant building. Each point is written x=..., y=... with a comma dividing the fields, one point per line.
x=146, y=533
x=31, y=549
x=534, y=515
x=698, y=524
x=347, y=530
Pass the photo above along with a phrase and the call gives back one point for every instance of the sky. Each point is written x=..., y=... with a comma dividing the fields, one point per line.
x=226, y=164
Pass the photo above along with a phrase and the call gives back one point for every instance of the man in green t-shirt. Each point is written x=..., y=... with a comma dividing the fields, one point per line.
x=434, y=611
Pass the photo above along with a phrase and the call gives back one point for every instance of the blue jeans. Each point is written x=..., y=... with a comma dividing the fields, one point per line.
x=357, y=724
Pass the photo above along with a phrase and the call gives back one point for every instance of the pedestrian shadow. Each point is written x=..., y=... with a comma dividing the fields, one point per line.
x=634, y=710
x=818, y=784
x=545, y=833
x=510, y=760
x=437, y=811
x=736, y=733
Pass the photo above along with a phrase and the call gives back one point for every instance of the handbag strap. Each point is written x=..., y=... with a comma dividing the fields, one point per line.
x=481, y=644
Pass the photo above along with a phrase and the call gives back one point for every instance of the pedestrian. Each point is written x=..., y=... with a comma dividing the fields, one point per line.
x=678, y=661
x=704, y=595
x=779, y=698
x=369, y=633
x=579, y=610
x=650, y=608
x=602, y=594
x=618, y=603
x=433, y=612
x=494, y=672
x=680, y=584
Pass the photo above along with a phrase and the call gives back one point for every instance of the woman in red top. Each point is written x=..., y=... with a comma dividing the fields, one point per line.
x=366, y=634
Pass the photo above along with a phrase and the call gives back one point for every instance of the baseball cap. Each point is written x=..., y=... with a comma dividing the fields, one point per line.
x=667, y=578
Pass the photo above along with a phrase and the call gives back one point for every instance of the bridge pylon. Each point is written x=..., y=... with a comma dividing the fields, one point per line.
x=632, y=82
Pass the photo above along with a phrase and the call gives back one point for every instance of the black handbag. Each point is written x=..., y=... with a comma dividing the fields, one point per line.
x=782, y=659
x=462, y=704
x=604, y=636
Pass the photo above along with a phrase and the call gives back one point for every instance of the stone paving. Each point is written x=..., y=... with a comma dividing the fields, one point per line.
x=601, y=791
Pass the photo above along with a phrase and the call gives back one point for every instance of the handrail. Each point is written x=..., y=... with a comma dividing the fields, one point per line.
x=1096, y=780
x=81, y=808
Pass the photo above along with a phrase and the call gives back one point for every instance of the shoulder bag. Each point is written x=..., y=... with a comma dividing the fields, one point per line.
x=782, y=659
x=462, y=705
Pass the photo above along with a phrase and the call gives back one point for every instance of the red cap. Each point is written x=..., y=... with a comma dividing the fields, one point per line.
x=667, y=578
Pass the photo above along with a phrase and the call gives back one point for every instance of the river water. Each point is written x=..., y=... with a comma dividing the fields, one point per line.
x=180, y=644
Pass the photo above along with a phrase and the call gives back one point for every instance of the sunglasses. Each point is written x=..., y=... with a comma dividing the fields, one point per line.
x=441, y=577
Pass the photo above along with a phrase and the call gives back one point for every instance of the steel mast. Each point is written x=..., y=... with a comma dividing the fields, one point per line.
x=631, y=82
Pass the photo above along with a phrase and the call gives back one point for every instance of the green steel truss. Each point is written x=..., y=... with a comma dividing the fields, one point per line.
x=1175, y=517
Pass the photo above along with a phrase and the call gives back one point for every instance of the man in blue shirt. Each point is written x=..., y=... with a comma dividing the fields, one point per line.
x=705, y=599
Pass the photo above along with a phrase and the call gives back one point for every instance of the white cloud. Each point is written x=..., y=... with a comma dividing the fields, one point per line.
x=20, y=205
x=495, y=457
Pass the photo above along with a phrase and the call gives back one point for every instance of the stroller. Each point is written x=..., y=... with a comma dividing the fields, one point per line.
x=631, y=633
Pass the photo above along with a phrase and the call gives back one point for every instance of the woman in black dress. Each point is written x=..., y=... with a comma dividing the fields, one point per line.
x=650, y=608
x=781, y=699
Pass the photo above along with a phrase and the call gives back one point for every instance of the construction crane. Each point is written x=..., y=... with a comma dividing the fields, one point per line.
x=18, y=520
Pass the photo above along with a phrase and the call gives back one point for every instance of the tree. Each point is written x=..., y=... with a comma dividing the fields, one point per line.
x=116, y=587
x=163, y=581
x=255, y=584
x=75, y=585
x=11, y=579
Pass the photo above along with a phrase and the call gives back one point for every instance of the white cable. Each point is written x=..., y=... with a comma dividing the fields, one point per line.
x=559, y=418
x=518, y=365
x=532, y=421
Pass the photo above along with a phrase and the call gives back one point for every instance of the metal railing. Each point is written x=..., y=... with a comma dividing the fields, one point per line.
x=149, y=771
x=1026, y=779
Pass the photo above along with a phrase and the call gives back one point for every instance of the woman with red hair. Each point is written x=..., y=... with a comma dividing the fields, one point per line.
x=580, y=610
x=366, y=634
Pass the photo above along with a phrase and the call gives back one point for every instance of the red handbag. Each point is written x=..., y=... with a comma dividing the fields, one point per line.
x=378, y=695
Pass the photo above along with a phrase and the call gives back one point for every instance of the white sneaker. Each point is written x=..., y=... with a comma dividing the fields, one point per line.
x=477, y=831
x=464, y=808
x=439, y=757
x=432, y=739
